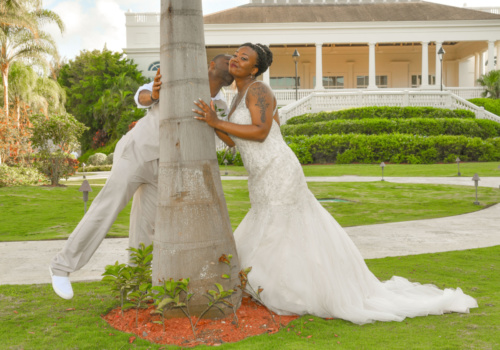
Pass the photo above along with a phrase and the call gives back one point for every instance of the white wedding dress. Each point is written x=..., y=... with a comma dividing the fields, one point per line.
x=303, y=259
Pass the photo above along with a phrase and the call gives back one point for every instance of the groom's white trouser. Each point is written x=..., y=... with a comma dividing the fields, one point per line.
x=130, y=174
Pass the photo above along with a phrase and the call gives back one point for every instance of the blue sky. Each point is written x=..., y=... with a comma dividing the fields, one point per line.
x=90, y=24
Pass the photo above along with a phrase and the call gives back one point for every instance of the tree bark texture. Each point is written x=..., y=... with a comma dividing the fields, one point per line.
x=192, y=222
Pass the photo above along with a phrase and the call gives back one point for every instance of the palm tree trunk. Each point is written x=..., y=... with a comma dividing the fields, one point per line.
x=5, y=79
x=192, y=223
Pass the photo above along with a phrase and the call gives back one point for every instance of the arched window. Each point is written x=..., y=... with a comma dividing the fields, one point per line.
x=154, y=66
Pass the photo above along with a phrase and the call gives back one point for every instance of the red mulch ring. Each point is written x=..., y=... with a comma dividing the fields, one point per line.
x=254, y=319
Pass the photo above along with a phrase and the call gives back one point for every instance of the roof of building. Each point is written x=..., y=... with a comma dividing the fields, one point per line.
x=371, y=12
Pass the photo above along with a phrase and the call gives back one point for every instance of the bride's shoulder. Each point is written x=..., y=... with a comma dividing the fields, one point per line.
x=259, y=89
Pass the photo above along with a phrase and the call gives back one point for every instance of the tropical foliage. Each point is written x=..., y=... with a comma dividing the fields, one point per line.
x=491, y=83
x=56, y=136
x=100, y=86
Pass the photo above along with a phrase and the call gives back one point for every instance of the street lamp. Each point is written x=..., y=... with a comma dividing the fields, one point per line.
x=85, y=188
x=382, y=165
x=296, y=57
x=476, y=180
x=458, y=165
x=441, y=53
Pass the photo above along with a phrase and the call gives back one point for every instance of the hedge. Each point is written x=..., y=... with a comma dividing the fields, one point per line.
x=394, y=148
x=416, y=126
x=489, y=104
x=381, y=112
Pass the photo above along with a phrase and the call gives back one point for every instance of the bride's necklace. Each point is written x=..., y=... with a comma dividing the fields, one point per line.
x=240, y=95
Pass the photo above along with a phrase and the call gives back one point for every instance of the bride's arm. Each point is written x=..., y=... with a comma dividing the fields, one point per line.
x=260, y=102
x=224, y=137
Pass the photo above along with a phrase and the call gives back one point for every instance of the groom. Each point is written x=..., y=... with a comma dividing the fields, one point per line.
x=134, y=173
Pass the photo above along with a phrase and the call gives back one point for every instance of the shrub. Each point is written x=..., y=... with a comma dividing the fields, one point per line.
x=492, y=106
x=417, y=126
x=91, y=168
x=233, y=158
x=396, y=148
x=381, y=112
x=109, y=148
x=109, y=159
x=97, y=159
x=19, y=176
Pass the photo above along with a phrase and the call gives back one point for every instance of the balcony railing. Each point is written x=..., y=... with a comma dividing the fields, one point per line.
x=333, y=101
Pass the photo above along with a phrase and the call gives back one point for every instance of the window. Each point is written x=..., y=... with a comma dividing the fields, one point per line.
x=416, y=80
x=332, y=82
x=283, y=82
x=154, y=66
x=380, y=80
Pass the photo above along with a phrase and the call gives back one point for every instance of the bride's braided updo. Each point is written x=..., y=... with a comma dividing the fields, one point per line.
x=264, y=56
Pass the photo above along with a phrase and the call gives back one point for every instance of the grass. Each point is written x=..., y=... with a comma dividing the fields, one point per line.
x=54, y=212
x=398, y=170
x=33, y=317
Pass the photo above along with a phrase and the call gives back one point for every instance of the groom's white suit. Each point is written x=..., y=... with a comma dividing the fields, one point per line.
x=134, y=173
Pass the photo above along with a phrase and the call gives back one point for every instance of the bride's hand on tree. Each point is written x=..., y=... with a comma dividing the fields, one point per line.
x=206, y=113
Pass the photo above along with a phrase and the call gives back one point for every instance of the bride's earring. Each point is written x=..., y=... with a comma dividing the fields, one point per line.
x=252, y=76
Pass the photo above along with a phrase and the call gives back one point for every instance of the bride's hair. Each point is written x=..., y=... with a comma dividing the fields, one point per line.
x=264, y=56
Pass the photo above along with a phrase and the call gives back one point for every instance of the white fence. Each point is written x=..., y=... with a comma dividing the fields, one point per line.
x=333, y=101
x=286, y=97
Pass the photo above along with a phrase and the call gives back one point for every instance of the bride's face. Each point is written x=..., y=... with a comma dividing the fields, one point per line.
x=243, y=63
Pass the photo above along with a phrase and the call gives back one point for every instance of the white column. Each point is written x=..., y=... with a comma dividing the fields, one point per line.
x=372, y=84
x=476, y=68
x=491, y=56
x=266, y=76
x=438, y=65
x=425, y=65
x=481, y=64
x=498, y=55
x=319, y=67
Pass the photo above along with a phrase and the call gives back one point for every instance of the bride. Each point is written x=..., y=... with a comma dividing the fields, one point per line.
x=302, y=258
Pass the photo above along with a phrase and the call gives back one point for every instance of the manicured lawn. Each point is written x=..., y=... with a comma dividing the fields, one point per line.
x=404, y=170
x=37, y=213
x=33, y=317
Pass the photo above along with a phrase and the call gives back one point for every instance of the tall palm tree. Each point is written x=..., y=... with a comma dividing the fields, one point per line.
x=21, y=37
x=192, y=223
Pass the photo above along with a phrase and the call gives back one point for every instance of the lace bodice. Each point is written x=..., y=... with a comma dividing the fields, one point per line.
x=266, y=162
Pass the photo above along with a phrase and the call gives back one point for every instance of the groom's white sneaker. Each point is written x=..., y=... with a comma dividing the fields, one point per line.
x=61, y=285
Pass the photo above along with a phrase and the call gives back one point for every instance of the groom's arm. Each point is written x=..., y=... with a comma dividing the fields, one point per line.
x=149, y=94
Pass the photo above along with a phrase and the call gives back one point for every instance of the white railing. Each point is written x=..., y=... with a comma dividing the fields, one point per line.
x=286, y=97
x=333, y=101
x=141, y=18
x=495, y=10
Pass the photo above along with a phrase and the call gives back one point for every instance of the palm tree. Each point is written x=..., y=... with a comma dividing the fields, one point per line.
x=192, y=223
x=21, y=37
x=491, y=83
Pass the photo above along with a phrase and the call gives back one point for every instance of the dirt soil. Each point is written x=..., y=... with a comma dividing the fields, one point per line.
x=253, y=319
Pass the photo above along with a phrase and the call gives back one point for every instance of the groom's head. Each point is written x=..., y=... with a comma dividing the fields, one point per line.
x=219, y=69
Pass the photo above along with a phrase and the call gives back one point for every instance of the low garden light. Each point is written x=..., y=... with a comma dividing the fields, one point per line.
x=382, y=166
x=476, y=181
x=458, y=165
x=225, y=167
x=85, y=188
x=83, y=165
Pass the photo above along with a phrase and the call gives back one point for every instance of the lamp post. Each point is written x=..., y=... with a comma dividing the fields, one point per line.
x=458, y=165
x=296, y=57
x=382, y=165
x=85, y=188
x=441, y=53
x=476, y=180
x=225, y=166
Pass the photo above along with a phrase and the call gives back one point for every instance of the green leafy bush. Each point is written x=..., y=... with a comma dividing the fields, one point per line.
x=489, y=104
x=97, y=159
x=19, y=176
x=416, y=126
x=232, y=158
x=109, y=148
x=394, y=148
x=91, y=168
x=109, y=159
x=381, y=112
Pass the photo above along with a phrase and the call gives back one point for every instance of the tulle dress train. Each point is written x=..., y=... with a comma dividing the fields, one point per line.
x=304, y=260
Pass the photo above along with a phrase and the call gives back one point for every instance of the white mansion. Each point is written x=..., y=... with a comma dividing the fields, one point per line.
x=347, y=44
